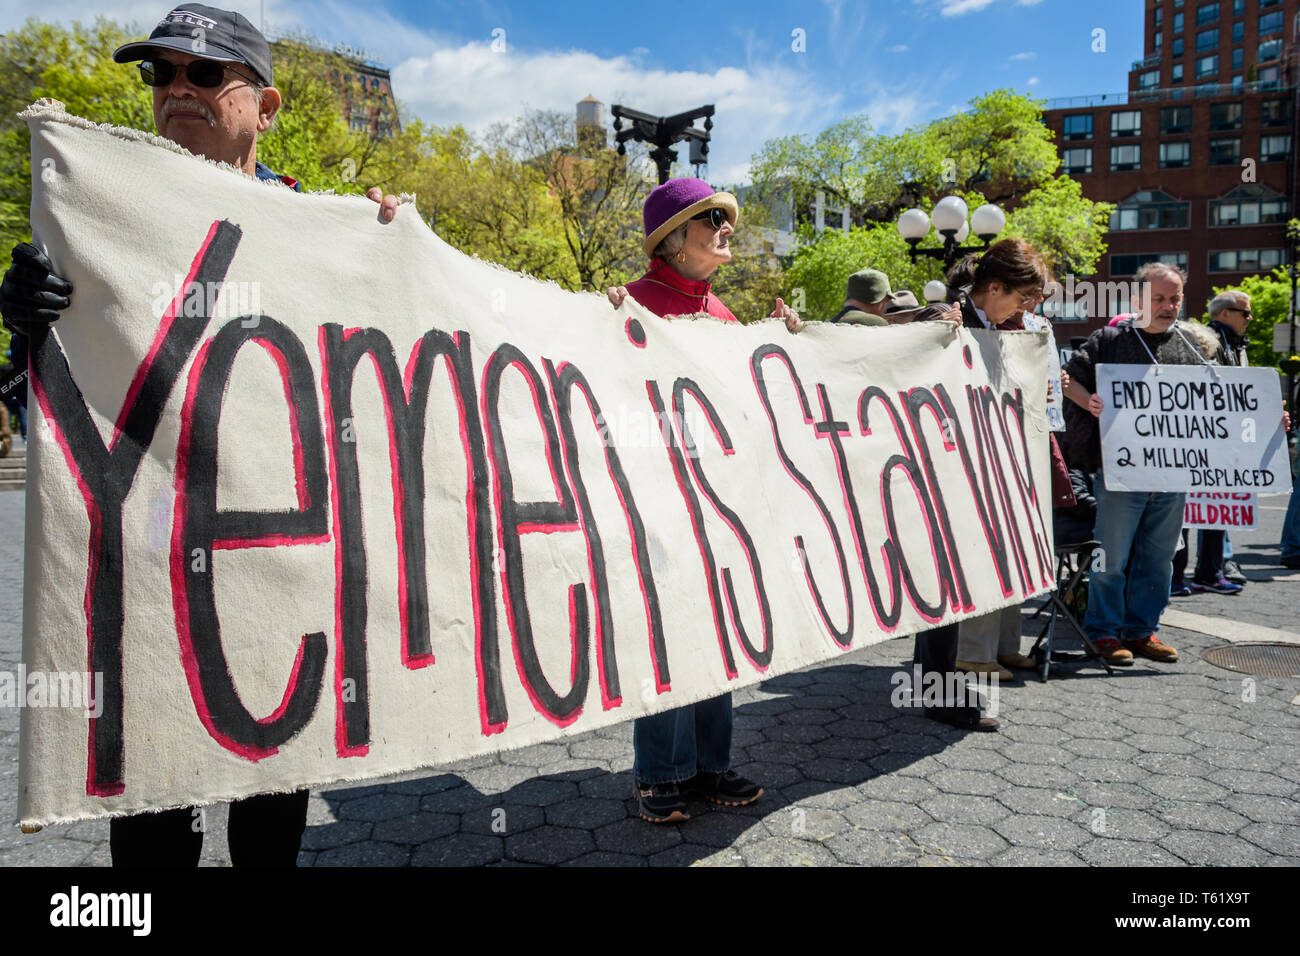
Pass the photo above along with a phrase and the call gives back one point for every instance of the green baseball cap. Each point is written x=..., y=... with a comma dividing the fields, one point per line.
x=869, y=286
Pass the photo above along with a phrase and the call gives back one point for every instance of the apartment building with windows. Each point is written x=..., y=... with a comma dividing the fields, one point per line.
x=1198, y=154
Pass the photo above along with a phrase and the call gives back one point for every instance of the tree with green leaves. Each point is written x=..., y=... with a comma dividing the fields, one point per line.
x=998, y=151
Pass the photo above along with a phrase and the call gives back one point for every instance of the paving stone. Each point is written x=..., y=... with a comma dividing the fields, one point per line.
x=833, y=770
x=847, y=727
x=598, y=748
x=416, y=828
x=960, y=840
x=1205, y=849
x=502, y=819
x=542, y=793
x=1040, y=801
x=499, y=778
x=1163, y=744
x=1184, y=788
x=781, y=753
x=46, y=853
x=424, y=785
x=637, y=837
x=458, y=800
x=1037, y=718
x=966, y=758
x=1203, y=816
x=1109, y=771
x=1041, y=831
x=820, y=794
x=459, y=849
x=1012, y=729
x=601, y=858
x=537, y=755
x=1125, y=824
x=805, y=823
x=1032, y=856
x=1262, y=809
x=779, y=851
x=770, y=776
x=1223, y=740
x=887, y=815
x=549, y=845
x=368, y=853
x=379, y=806
x=796, y=733
x=803, y=716
x=1248, y=781
x=963, y=808
x=1038, y=775
x=896, y=787
x=586, y=812
x=335, y=835
x=618, y=786
x=1275, y=838
x=973, y=782
x=1175, y=765
x=1103, y=749
x=721, y=828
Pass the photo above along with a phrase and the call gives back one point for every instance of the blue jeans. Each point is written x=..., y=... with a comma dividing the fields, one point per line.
x=675, y=745
x=1138, y=531
x=1291, y=526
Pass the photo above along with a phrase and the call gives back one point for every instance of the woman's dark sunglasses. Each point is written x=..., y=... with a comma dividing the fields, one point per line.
x=715, y=216
x=204, y=74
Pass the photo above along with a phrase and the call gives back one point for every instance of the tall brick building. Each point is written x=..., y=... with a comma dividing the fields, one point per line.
x=1198, y=154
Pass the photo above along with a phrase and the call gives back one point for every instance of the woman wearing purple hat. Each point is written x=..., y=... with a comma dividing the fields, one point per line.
x=688, y=749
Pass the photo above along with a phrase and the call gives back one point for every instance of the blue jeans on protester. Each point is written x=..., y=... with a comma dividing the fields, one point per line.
x=1291, y=526
x=675, y=745
x=1138, y=532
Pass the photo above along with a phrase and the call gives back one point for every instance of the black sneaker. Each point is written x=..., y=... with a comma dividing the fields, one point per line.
x=1219, y=585
x=661, y=802
x=729, y=789
x=1232, y=571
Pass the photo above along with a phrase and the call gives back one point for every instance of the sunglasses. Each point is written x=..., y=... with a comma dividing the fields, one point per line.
x=1246, y=312
x=715, y=216
x=204, y=74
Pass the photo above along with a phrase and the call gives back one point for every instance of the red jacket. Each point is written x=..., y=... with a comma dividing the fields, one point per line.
x=667, y=293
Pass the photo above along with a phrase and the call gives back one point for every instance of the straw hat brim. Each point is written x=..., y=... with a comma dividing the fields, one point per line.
x=724, y=201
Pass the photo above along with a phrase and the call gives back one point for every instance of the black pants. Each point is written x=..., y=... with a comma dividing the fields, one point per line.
x=264, y=831
x=936, y=651
x=1209, y=557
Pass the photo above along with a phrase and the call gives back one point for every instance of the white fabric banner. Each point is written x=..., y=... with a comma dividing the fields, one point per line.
x=319, y=498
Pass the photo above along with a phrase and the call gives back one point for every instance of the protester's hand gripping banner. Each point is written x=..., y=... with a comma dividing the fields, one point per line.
x=1192, y=428
x=318, y=498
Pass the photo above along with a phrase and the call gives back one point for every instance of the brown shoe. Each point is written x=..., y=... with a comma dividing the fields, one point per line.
x=990, y=667
x=1113, y=653
x=1152, y=648
x=1018, y=661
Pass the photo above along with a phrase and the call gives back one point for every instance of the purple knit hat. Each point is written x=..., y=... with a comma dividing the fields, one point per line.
x=670, y=205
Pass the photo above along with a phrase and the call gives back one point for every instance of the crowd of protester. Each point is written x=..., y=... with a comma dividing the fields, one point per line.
x=213, y=106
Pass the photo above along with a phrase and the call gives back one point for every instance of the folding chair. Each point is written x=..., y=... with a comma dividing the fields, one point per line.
x=1072, y=561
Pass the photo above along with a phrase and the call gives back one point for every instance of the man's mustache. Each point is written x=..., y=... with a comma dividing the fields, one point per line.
x=187, y=104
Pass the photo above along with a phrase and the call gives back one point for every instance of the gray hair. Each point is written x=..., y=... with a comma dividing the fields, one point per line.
x=671, y=244
x=1168, y=270
x=1226, y=300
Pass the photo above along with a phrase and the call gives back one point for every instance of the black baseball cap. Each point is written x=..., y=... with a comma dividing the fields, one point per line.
x=205, y=32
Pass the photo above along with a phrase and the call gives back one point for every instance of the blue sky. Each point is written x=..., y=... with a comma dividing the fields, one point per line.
x=901, y=63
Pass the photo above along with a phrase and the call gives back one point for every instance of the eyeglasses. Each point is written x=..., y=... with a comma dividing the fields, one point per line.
x=1246, y=312
x=715, y=216
x=204, y=74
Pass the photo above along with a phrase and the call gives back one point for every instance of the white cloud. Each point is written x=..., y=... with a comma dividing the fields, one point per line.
x=900, y=48
x=1032, y=81
x=1024, y=56
x=955, y=8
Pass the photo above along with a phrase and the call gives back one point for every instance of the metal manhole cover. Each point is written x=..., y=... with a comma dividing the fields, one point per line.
x=1262, y=660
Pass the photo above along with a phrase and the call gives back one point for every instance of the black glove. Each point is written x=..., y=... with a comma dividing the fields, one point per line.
x=31, y=295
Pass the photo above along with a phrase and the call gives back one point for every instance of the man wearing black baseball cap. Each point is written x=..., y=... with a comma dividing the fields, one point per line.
x=211, y=75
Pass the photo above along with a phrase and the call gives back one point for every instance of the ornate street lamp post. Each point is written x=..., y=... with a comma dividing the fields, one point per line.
x=950, y=222
x=662, y=132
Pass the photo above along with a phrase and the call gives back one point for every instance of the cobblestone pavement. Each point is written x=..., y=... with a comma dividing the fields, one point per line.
x=1160, y=764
